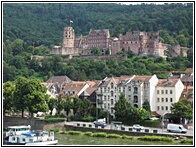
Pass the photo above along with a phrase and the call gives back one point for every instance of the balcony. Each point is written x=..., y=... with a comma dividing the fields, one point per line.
x=135, y=92
x=99, y=101
x=99, y=93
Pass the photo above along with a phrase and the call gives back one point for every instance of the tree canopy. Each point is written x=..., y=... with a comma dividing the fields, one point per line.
x=182, y=109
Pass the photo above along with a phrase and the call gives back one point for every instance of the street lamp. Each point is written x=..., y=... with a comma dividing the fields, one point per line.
x=96, y=110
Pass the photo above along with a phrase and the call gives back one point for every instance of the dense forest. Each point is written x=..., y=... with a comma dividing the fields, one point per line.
x=32, y=28
x=43, y=23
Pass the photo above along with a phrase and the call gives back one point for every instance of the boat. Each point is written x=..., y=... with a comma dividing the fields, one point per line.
x=17, y=130
x=35, y=137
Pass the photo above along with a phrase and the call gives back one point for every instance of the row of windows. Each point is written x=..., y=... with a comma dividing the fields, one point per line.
x=163, y=108
x=132, y=42
x=95, y=41
x=164, y=92
x=164, y=100
x=119, y=89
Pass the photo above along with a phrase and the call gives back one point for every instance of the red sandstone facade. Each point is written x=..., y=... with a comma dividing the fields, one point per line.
x=141, y=43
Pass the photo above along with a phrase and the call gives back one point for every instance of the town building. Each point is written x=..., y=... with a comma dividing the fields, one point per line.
x=168, y=91
x=160, y=93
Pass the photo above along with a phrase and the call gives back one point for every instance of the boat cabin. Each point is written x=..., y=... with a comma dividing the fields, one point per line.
x=17, y=130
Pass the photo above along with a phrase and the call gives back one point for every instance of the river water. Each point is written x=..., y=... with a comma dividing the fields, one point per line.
x=67, y=139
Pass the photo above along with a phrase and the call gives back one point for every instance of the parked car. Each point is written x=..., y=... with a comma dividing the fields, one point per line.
x=100, y=123
x=178, y=128
x=137, y=126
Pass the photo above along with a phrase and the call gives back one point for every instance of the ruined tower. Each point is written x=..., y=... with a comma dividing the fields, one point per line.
x=68, y=37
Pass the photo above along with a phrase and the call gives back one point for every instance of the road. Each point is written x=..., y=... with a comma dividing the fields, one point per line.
x=126, y=128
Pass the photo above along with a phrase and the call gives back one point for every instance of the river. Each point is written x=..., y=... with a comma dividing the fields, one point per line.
x=67, y=139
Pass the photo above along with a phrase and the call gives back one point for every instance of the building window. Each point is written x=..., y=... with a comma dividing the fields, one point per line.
x=170, y=91
x=171, y=100
x=135, y=105
x=119, y=89
x=104, y=98
x=166, y=99
x=157, y=91
x=129, y=88
x=166, y=107
x=162, y=91
x=135, y=90
x=162, y=99
x=108, y=106
x=135, y=99
x=157, y=107
x=112, y=85
x=166, y=91
x=105, y=89
x=157, y=99
x=112, y=93
x=162, y=107
x=112, y=101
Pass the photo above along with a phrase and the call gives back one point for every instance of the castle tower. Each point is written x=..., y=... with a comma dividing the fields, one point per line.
x=68, y=37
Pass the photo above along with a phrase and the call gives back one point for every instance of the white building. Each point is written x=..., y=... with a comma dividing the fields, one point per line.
x=142, y=88
x=168, y=91
x=109, y=90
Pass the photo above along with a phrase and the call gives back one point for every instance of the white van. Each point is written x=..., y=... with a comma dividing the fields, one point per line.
x=178, y=128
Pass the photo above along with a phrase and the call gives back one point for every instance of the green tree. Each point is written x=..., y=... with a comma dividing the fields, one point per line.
x=146, y=106
x=19, y=98
x=51, y=104
x=85, y=106
x=182, y=109
x=33, y=95
x=96, y=51
x=68, y=105
x=121, y=107
x=76, y=105
x=59, y=104
x=17, y=46
x=8, y=96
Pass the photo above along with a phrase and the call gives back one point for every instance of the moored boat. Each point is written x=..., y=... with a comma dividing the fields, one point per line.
x=35, y=137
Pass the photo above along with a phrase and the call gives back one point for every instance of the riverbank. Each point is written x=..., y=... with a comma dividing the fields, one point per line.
x=100, y=138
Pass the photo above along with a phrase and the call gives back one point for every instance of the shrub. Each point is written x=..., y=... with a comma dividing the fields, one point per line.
x=75, y=132
x=55, y=130
x=113, y=136
x=88, y=133
x=127, y=137
x=87, y=119
x=156, y=138
x=100, y=134
x=52, y=120
x=186, y=141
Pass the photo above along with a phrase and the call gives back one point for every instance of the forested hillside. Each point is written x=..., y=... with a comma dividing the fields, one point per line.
x=43, y=23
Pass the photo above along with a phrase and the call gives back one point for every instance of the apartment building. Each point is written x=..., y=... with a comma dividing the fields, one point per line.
x=168, y=91
x=109, y=90
x=142, y=88
x=135, y=89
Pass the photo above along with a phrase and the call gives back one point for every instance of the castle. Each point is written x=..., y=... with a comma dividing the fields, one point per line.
x=141, y=43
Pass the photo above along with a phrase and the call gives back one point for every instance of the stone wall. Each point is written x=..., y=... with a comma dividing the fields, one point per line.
x=36, y=124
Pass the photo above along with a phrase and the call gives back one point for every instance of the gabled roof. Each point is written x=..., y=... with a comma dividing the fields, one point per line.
x=140, y=79
x=186, y=78
x=59, y=79
x=189, y=70
x=75, y=87
x=99, y=30
x=167, y=82
x=122, y=80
